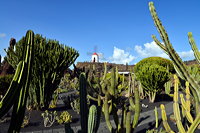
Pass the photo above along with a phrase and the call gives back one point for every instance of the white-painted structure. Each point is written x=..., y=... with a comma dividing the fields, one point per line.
x=95, y=57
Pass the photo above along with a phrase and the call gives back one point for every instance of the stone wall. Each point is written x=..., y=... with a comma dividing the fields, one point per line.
x=100, y=66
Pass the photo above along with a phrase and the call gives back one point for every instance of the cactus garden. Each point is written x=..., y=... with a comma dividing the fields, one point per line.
x=42, y=90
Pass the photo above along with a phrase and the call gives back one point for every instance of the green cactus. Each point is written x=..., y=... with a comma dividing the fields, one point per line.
x=176, y=107
x=194, y=46
x=182, y=71
x=92, y=120
x=107, y=114
x=179, y=66
x=164, y=119
x=168, y=87
x=51, y=60
x=156, y=116
x=177, y=115
x=83, y=102
x=137, y=108
x=111, y=86
x=18, y=91
x=128, y=122
x=9, y=98
x=186, y=104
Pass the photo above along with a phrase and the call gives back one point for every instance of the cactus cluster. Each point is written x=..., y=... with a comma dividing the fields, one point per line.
x=51, y=60
x=49, y=118
x=17, y=93
x=186, y=112
x=91, y=115
x=179, y=66
x=64, y=117
x=109, y=88
x=183, y=73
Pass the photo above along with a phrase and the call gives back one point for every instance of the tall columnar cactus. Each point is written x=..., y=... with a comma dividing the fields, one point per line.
x=114, y=79
x=83, y=102
x=90, y=120
x=180, y=67
x=137, y=103
x=18, y=91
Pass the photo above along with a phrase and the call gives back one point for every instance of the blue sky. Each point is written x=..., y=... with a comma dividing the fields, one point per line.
x=121, y=29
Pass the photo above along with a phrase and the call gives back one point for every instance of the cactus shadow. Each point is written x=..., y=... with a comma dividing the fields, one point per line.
x=148, y=126
x=142, y=119
x=163, y=97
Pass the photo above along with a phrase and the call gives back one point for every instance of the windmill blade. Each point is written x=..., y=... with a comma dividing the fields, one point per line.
x=89, y=53
x=101, y=56
x=95, y=49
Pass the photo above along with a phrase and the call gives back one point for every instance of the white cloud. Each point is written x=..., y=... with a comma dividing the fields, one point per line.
x=2, y=35
x=152, y=49
x=2, y=58
x=121, y=57
x=186, y=55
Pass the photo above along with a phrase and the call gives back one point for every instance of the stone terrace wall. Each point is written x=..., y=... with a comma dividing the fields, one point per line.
x=100, y=66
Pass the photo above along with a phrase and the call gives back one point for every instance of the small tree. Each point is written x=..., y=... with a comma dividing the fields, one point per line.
x=153, y=73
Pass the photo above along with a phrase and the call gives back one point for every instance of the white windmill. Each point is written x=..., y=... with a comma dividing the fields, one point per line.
x=95, y=57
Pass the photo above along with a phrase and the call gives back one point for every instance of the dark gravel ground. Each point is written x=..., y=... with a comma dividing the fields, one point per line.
x=36, y=121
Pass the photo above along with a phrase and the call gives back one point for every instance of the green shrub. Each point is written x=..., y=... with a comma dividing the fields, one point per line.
x=155, y=60
x=153, y=73
x=5, y=81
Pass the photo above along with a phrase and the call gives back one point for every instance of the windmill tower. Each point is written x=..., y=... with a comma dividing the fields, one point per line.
x=95, y=57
